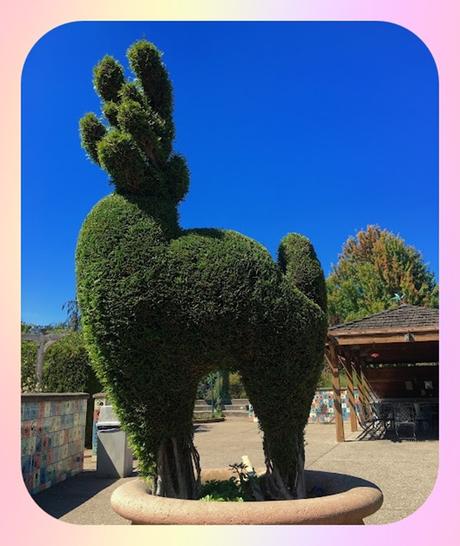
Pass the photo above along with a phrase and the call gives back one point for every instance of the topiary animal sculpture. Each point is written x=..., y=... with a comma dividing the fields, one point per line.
x=162, y=306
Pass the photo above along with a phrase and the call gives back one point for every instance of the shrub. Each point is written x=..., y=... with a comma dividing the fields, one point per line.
x=28, y=366
x=244, y=486
x=236, y=386
x=162, y=306
x=67, y=368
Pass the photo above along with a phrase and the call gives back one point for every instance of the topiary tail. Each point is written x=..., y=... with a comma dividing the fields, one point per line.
x=297, y=260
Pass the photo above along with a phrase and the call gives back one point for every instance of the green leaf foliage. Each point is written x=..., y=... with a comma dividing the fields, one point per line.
x=91, y=132
x=28, y=366
x=67, y=367
x=222, y=491
x=237, y=488
x=108, y=78
x=163, y=306
x=236, y=386
x=377, y=270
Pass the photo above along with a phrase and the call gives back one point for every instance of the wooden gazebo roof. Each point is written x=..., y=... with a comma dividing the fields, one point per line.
x=408, y=333
x=405, y=316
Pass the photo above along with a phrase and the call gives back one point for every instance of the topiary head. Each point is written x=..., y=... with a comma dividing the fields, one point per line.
x=134, y=143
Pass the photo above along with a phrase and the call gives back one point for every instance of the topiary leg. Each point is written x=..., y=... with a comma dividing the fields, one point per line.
x=178, y=468
x=282, y=420
x=285, y=461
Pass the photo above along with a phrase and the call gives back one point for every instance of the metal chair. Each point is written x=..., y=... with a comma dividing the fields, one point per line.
x=404, y=422
x=378, y=423
x=427, y=419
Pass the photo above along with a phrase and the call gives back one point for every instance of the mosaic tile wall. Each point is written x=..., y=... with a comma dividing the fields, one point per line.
x=322, y=408
x=52, y=438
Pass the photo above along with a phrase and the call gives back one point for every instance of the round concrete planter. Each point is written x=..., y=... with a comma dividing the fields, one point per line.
x=347, y=501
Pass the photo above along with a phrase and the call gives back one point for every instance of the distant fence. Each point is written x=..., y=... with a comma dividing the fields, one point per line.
x=52, y=437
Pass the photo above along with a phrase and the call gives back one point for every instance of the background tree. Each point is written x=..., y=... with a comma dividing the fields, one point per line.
x=72, y=310
x=377, y=270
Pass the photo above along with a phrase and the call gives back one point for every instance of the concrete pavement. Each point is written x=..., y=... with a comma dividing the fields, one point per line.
x=405, y=471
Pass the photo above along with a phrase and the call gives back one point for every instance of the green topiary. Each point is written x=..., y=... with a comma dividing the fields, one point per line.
x=162, y=306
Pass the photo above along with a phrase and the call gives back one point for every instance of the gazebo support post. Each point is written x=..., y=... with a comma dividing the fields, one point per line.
x=351, y=392
x=368, y=395
x=333, y=361
x=362, y=396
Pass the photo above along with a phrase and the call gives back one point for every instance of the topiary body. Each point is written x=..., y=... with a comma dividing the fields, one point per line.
x=162, y=306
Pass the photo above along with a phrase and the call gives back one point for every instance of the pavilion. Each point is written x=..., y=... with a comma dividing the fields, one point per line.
x=391, y=355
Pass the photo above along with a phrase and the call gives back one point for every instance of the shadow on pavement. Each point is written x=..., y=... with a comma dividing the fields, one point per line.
x=65, y=496
x=200, y=428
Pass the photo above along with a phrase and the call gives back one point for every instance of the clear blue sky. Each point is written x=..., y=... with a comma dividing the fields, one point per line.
x=316, y=128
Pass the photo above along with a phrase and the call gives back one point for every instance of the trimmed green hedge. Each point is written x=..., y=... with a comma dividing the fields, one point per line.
x=162, y=307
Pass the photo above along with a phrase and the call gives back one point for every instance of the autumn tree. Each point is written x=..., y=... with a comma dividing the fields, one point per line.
x=377, y=270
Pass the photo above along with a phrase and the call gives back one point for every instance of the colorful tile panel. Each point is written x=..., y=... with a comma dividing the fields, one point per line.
x=322, y=408
x=52, y=441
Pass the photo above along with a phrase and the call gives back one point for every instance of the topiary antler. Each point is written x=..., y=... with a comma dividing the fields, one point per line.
x=136, y=147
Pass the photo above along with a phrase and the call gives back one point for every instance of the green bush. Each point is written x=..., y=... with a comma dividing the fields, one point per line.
x=28, y=366
x=244, y=486
x=162, y=306
x=67, y=368
x=236, y=386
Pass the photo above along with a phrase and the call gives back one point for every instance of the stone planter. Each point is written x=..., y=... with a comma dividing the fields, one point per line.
x=347, y=501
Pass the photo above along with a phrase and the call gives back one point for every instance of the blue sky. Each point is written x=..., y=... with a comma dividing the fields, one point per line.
x=316, y=128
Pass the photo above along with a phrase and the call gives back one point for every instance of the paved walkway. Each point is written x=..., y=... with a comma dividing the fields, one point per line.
x=405, y=471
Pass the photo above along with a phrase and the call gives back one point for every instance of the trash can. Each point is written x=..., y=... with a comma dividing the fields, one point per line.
x=114, y=457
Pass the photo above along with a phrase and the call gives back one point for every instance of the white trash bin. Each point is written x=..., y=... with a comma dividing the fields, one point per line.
x=114, y=457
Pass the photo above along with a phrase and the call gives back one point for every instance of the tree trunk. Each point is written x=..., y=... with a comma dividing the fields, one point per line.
x=178, y=469
x=285, y=462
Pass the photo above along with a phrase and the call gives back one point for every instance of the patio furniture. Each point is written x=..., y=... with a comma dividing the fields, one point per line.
x=426, y=418
x=379, y=423
x=389, y=355
x=404, y=421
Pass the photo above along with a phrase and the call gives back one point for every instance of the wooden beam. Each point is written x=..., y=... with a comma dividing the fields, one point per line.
x=376, y=338
x=331, y=356
x=347, y=364
x=363, y=393
x=361, y=396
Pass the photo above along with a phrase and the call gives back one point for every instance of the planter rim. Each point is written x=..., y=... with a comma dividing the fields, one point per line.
x=348, y=500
